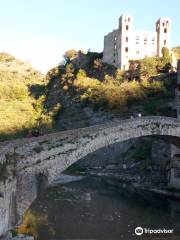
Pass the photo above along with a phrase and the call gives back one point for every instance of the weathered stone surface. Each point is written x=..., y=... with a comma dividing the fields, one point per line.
x=18, y=237
x=45, y=157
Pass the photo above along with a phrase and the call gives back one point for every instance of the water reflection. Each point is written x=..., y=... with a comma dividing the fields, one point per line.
x=92, y=208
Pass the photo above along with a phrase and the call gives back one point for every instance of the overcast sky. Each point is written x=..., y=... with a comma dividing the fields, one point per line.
x=40, y=31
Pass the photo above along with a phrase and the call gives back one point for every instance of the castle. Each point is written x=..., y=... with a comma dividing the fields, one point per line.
x=125, y=43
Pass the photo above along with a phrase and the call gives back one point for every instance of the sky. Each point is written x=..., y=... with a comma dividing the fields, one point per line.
x=40, y=31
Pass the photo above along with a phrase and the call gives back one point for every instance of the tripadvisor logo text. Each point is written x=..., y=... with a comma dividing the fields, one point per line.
x=139, y=231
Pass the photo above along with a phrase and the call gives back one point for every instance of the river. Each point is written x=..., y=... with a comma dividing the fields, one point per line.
x=95, y=208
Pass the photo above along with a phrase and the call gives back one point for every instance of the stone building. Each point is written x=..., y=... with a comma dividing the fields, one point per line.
x=126, y=43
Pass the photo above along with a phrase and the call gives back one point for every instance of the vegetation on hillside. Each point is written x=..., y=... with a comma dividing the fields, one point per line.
x=29, y=100
x=95, y=85
x=21, y=103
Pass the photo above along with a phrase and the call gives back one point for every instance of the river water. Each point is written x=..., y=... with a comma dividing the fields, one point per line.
x=95, y=208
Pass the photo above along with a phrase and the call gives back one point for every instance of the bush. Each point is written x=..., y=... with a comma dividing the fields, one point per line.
x=148, y=66
x=166, y=58
x=116, y=95
x=81, y=74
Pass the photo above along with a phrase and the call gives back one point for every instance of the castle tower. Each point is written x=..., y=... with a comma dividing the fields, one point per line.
x=163, y=29
x=126, y=47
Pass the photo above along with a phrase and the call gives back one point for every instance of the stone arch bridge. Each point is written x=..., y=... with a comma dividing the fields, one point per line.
x=23, y=162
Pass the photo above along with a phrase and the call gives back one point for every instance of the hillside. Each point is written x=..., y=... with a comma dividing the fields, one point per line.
x=81, y=92
x=91, y=92
x=20, y=85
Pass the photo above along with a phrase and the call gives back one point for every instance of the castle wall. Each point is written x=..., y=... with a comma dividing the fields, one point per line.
x=145, y=44
x=110, y=46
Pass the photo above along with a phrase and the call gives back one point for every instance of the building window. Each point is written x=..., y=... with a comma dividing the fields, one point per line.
x=126, y=39
x=127, y=27
x=128, y=19
x=137, y=52
x=115, y=38
x=126, y=49
x=165, y=30
x=164, y=42
x=115, y=46
x=145, y=39
x=137, y=42
x=163, y=24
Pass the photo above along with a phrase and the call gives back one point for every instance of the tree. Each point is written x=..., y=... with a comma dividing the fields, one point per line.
x=98, y=64
x=176, y=51
x=81, y=73
x=148, y=66
x=119, y=75
x=70, y=54
x=69, y=73
x=166, y=58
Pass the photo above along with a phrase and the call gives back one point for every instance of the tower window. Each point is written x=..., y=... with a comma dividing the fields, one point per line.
x=165, y=30
x=127, y=27
x=126, y=39
x=126, y=49
x=164, y=42
x=163, y=24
